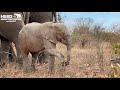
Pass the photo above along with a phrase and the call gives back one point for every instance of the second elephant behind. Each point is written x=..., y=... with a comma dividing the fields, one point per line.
x=40, y=17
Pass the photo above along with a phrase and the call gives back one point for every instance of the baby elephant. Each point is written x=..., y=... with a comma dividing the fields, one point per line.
x=35, y=37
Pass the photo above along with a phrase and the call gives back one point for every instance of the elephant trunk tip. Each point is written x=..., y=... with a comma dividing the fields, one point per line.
x=65, y=63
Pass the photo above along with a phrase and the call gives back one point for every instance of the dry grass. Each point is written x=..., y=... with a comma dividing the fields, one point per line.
x=83, y=64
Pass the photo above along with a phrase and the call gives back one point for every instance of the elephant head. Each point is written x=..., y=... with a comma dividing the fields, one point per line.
x=56, y=32
x=63, y=36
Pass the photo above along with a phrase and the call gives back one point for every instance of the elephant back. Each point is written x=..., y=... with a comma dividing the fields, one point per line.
x=40, y=17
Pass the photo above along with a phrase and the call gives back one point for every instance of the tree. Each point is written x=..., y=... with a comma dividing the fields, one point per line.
x=98, y=35
x=60, y=18
x=81, y=32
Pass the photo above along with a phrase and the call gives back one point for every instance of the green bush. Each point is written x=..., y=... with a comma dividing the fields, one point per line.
x=116, y=49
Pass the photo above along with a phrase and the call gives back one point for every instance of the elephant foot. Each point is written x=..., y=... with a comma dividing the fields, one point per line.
x=26, y=70
x=29, y=70
x=2, y=64
x=33, y=68
x=51, y=73
x=54, y=21
x=19, y=64
x=62, y=72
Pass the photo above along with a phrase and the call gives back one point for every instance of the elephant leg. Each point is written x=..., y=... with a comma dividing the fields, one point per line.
x=4, y=50
x=12, y=58
x=27, y=15
x=54, y=17
x=34, y=59
x=0, y=49
x=19, y=57
x=43, y=57
x=54, y=53
x=25, y=61
x=51, y=65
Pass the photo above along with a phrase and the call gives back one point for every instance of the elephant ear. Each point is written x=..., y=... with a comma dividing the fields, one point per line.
x=49, y=33
x=59, y=31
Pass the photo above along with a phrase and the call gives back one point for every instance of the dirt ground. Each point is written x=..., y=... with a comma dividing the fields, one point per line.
x=83, y=64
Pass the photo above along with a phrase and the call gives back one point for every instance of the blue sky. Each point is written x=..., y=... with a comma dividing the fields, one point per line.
x=108, y=18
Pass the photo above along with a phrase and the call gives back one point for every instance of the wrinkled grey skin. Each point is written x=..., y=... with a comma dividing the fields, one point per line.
x=9, y=33
x=51, y=33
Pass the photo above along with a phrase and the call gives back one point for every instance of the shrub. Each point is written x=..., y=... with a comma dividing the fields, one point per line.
x=115, y=71
x=116, y=49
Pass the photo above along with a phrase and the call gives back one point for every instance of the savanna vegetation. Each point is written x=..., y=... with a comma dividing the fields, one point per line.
x=95, y=53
